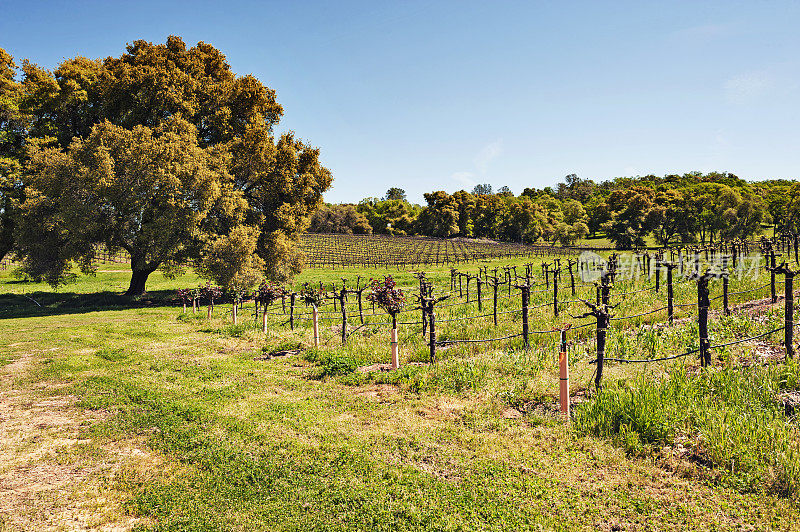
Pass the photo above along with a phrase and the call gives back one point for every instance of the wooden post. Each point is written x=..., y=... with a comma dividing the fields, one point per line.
x=526, y=292
x=555, y=292
x=342, y=296
x=315, y=318
x=563, y=366
x=725, y=308
x=658, y=276
x=670, y=307
x=395, y=349
x=702, y=319
x=602, y=327
x=773, y=293
x=480, y=303
x=432, y=318
x=291, y=310
x=789, y=312
x=235, y=313
x=264, y=318
x=571, y=276
x=184, y=306
x=494, y=307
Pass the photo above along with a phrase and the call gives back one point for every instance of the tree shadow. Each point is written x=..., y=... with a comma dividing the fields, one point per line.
x=38, y=304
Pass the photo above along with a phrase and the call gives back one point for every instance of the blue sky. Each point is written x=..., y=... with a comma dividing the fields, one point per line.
x=443, y=95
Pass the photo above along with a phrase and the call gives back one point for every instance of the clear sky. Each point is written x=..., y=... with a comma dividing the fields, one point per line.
x=440, y=95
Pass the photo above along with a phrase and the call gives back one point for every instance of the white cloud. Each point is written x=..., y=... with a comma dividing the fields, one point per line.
x=487, y=154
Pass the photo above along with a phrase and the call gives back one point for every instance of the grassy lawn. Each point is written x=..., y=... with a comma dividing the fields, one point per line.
x=141, y=417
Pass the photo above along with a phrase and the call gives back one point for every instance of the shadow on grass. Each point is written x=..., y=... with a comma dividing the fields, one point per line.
x=57, y=303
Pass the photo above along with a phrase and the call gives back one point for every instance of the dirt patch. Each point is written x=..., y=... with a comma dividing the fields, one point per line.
x=379, y=393
x=385, y=367
x=790, y=400
x=273, y=354
x=50, y=467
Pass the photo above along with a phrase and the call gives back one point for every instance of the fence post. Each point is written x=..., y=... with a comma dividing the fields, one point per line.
x=602, y=326
x=342, y=297
x=494, y=308
x=526, y=289
x=432, y=318
x=395, y=349
x=480, y=303
x=658, y=275
x=291, y=310
x=773, y=293
x=788, y=312
x=555, y=292
x=315, y=318
x=571, y=276
x=563, y=368
x=670, y=308
x=702, y=319
x=725, y=307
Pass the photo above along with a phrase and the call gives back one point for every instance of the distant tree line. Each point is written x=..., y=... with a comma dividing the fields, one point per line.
x=629, y=211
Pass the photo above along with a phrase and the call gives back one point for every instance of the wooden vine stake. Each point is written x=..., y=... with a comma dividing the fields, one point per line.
x=788, y=316
x=266, y=295
x=391, y=299
x=315, y=318
x=313, y=298
x=563, y=367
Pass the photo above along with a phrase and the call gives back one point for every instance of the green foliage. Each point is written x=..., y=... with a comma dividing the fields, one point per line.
x=343, y=219
x=231, y=261
x=191, y=140
x=395, y=194
x=730, y=418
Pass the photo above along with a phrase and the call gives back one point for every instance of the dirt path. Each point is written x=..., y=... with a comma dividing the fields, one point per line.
x=50, y=474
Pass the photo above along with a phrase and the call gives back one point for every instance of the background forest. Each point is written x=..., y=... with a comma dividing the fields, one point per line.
x=628, y=211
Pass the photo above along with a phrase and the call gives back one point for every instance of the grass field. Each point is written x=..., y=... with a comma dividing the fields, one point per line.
x=129, y=415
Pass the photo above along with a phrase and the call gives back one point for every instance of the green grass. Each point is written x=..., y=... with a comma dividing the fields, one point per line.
x=730, y=418
x=307, y=442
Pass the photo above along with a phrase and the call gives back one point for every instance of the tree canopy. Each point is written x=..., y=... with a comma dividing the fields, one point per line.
x=170, y=150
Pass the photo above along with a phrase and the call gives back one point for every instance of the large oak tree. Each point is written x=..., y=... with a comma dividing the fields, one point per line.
x=196, y=126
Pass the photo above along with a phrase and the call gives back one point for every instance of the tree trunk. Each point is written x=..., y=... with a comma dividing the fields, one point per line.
x=138, y=280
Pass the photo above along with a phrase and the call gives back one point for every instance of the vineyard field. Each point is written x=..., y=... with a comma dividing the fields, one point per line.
x=340, y=251
x=179, y=407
